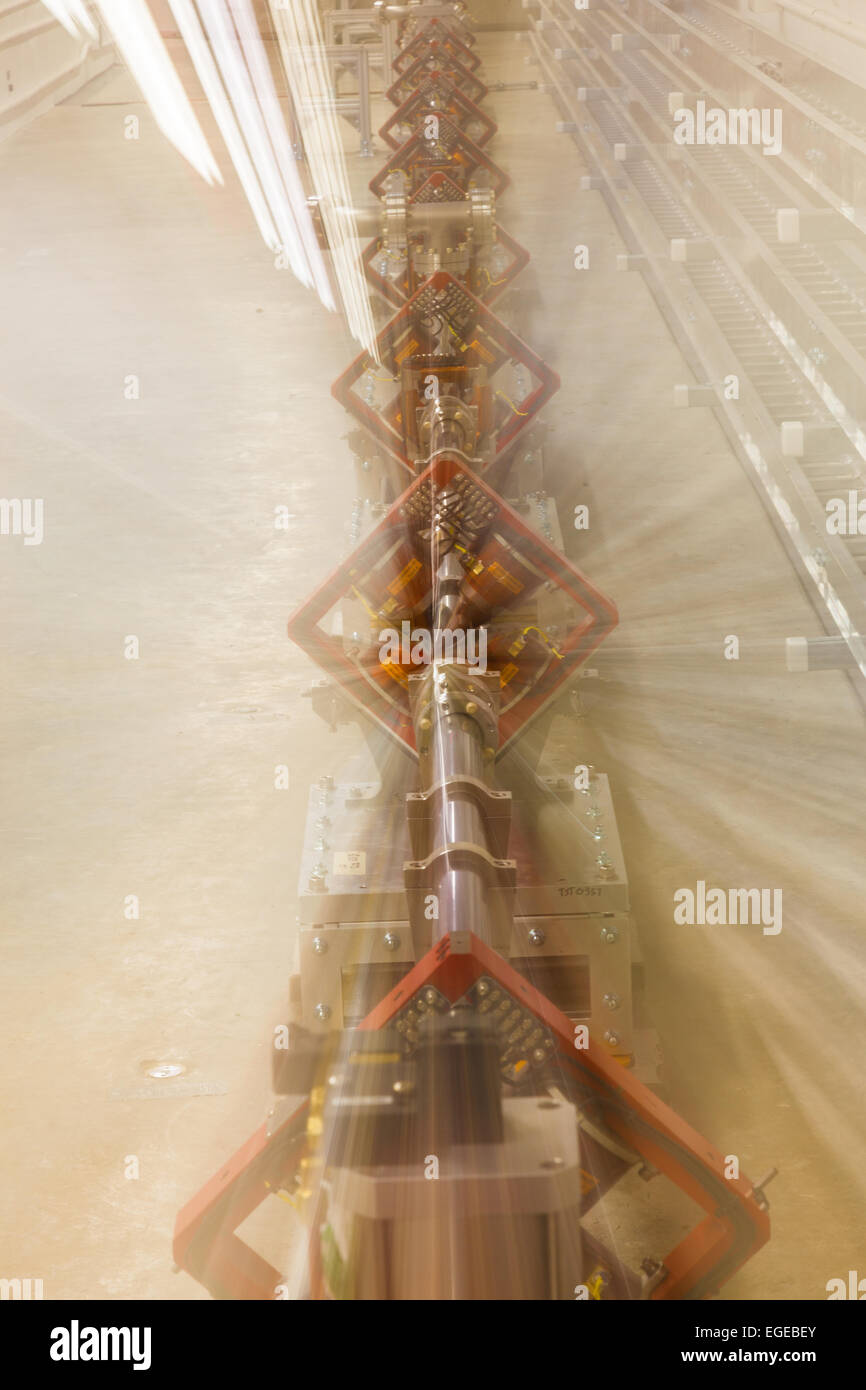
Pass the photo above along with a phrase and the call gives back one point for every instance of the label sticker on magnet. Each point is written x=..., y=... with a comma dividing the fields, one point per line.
x=353, y=861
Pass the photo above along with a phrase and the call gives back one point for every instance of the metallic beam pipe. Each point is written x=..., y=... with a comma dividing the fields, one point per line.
x=459, y=885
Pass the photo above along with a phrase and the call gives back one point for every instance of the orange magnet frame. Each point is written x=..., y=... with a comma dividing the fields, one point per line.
x=735, y=1227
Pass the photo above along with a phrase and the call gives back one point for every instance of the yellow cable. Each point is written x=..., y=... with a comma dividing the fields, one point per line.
x=371, y=367
x=510, y=402
x=464, y=347
x=543, y=638
x=490, y=280
x=371, y=613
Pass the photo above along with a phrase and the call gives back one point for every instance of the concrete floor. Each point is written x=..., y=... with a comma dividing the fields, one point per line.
x=155, y=777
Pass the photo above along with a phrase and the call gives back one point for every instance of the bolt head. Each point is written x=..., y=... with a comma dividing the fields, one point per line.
x=537, y=937
x=322, y=1012
x=320, y=945
x=611, y=1001
x=611, y=1037
x=609, y=935
x=390, y=941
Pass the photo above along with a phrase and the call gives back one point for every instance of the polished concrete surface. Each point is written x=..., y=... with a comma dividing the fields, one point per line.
x=155, y=777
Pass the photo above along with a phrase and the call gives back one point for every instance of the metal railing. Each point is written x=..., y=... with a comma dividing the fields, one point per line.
x=350, y=28
x=355, y=106
x=701, y=224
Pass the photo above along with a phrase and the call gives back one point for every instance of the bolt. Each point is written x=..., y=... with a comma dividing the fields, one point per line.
x=539, y=1054
x=430, y=996
x=609, y=935
x=471, y=707
x=537, y=937
x=611, y=1037
x=403, y=1087
x=320, y=945
x=390, y=941
x=611, y=1001
x=322, y=1012
x=483, y=988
